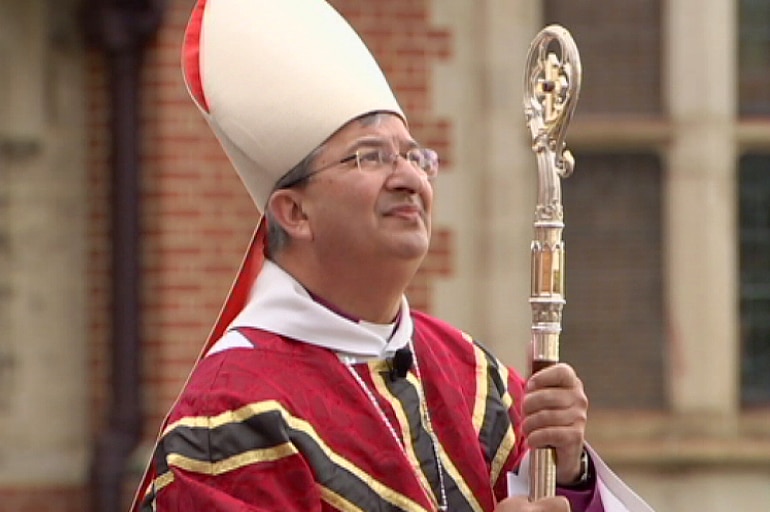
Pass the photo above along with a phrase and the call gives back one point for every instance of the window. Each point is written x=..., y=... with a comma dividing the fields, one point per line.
x=621, y=60
x=613, y=320
x=754, y=191
x=754, y=58
x=754, y=205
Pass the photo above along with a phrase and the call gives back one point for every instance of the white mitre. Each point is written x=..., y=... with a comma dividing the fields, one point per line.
x=275, y=79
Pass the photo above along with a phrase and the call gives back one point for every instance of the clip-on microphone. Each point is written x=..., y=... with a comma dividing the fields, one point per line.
x=401, y=363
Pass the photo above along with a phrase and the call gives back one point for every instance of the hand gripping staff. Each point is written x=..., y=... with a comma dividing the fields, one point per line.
x=551, y=88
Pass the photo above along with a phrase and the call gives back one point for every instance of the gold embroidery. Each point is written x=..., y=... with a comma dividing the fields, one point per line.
x=253, y=409
x=231, y=463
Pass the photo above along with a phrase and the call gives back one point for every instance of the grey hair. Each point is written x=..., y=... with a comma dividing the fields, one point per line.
x=277, y=237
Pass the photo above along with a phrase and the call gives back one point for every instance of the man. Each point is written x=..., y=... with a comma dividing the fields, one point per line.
x=319, y=389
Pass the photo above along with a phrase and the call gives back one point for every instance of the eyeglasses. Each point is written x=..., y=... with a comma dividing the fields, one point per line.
x=424, y=159
x=372, y=160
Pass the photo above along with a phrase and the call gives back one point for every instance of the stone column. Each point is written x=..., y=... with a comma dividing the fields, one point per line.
x=510, y=179
x=488, y=195
x=458, y=83
x=700, y=206
x=43, y=372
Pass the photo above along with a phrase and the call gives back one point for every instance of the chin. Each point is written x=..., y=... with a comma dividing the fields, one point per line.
x=412, y=251
x=410, y=244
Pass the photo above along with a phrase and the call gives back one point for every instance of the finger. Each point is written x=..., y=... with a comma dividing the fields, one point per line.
x=522, y=504
x=553, y=504
x=554, y=398
x=566, y=439
x=513, y=504
x=554, y=418
x=559, y=375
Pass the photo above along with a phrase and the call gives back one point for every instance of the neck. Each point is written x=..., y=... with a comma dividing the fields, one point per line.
x=361, y=292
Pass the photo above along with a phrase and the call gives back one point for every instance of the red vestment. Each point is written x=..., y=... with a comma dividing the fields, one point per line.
x=284, y=426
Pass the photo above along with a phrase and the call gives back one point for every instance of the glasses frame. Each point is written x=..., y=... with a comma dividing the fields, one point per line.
x=383, y=158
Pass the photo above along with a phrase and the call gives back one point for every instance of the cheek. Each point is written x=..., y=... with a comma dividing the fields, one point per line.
x=353, y=206
x=361, y=194
x=348, y=203
x=426, y=195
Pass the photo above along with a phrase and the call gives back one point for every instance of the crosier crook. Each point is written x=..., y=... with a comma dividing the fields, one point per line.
x=551, y=88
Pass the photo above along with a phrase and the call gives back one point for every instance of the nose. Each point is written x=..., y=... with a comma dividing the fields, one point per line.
x=406, y=176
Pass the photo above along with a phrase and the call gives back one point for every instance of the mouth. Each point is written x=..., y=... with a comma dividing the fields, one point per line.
x=405, y=211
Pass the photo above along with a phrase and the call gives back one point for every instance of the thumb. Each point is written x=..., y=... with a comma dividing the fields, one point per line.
x=522, y=504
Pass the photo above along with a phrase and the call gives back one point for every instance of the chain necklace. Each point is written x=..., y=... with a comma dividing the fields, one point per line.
x=424, y=420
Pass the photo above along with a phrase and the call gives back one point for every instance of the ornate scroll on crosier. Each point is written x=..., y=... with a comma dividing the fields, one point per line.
x=551, y=88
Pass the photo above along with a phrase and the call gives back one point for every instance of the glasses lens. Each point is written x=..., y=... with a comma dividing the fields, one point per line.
x=424, y=158
x=370, y=159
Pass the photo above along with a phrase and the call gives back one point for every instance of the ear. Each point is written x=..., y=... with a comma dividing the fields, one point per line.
x=286, y=207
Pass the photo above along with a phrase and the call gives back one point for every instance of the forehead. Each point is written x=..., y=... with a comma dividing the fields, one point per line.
x=379, y=126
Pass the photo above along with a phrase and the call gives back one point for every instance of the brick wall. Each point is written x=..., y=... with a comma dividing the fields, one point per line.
x=197, y=221
x=43, y=499
x=98, y=264
x=197, y=216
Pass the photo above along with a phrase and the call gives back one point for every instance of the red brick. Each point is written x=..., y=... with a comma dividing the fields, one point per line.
x=43, y=499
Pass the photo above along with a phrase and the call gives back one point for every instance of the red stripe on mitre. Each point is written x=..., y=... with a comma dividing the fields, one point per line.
x=191, y=62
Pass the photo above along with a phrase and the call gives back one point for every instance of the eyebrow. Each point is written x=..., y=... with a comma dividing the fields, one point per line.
x=379, y=142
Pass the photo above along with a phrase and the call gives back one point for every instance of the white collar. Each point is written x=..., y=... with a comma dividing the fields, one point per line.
x=279, y=304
